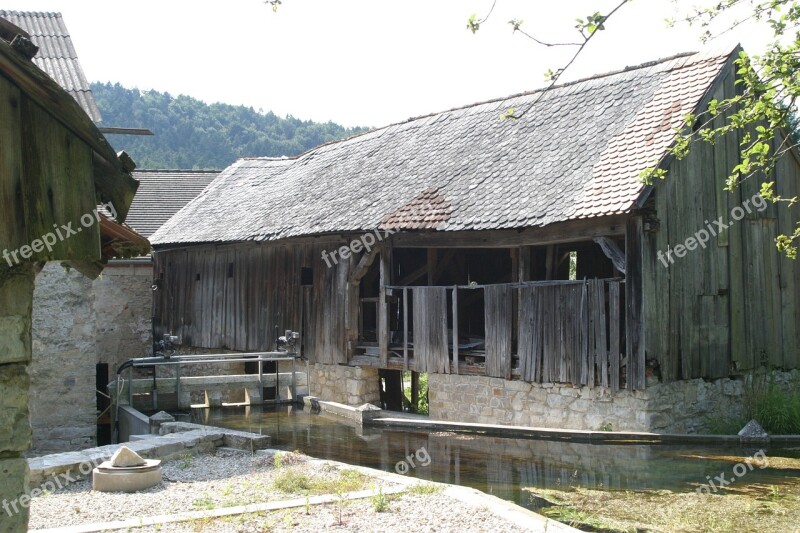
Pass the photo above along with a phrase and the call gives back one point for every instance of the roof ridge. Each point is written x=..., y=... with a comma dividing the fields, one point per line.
x=49, y=14
x=700, y=55
x=184, y=170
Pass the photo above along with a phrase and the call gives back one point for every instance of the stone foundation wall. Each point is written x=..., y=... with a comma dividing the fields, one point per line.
x=123, y=302
x=63, y=403
x=484, y=400
x=678, y=407
x=344, y=384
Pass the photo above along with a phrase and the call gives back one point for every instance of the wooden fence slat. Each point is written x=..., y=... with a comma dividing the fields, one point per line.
x=455, y=329
x=498, y=319
x=592, y=332
x=614, y=332
x=430, y=330
x=405, y=328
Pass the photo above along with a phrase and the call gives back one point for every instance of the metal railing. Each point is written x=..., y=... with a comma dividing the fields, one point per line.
x=179, y=361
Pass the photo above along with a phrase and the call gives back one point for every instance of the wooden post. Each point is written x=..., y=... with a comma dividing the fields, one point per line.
x=383, y=305
x=414, y=391
x=634, y=323
x=432, y=259
x=405, y=328
x=550, y=262
x=455, y=329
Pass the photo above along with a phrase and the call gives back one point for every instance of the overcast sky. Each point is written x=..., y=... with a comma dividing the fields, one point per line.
x=356, y=62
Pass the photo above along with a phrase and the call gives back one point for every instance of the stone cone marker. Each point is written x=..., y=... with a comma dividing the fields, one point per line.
x=125, y=458
x=127, y=471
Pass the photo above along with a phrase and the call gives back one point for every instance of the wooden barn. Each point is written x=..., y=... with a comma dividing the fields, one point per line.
x=517, y=262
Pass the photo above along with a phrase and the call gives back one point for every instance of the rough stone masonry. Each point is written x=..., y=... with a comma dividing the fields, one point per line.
x=16, y=298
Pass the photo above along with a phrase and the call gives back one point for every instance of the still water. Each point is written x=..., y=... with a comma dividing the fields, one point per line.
x=500, y=466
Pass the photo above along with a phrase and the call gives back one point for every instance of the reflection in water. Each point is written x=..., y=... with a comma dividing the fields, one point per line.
x=499, y=466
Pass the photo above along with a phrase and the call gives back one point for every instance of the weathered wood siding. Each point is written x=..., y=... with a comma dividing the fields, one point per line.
x=46, y=179
x=570, y=333
x=430, y=329
x=233, y=297
x=499, y=319
x=731, y=305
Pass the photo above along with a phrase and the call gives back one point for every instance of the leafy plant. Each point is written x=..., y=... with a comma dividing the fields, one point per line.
x=777, y=410
x=204, y=504
x=186, y=461
x=424, y=489
x=291, y=481
x=380, y=502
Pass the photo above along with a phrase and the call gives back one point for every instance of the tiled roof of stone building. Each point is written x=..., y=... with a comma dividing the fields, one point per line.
x=578, y=152
x=56, y=54
x=162, y=193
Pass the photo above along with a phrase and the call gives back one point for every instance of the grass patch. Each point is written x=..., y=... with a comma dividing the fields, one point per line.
x=296, y=481
x=776, y=408
x=204, y=504
x=746, y=508
x=424, y=488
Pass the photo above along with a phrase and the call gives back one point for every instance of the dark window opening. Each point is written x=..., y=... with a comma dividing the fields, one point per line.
x=306, y=276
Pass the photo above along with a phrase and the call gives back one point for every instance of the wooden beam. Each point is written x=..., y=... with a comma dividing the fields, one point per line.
x=414, y=276
x=455, y=329
x=405, y=328
x=612, y=251
x=363, y=266
x=442, y=264
x=431, y=263
x=634, y=312
x=125, y=131
x=383, y=304
x=550, y=262
x=558, y=232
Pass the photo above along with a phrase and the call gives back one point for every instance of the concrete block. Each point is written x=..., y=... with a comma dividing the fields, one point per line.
x=14, y=384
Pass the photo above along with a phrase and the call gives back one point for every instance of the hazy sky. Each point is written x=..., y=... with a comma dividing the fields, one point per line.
x=356, y=62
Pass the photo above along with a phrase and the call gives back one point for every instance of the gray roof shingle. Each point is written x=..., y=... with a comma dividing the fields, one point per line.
x=162, y=193
x=56, y=54
x=577, y=153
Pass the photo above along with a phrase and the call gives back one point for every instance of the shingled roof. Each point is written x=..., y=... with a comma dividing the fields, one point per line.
x=162, y=193
x=56, y=54
x=577, y=153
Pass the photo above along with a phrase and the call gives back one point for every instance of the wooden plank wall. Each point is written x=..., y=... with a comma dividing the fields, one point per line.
x=430, y=329
x=233, y=296
x=499, y=319
x=730, y=306
x=46, y=178
x=571, y=334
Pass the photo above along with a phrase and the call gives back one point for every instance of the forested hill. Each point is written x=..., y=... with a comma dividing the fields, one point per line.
x=191, y=134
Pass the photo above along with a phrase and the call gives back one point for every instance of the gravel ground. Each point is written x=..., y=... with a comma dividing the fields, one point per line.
x=407, y=512
x=231, y=478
